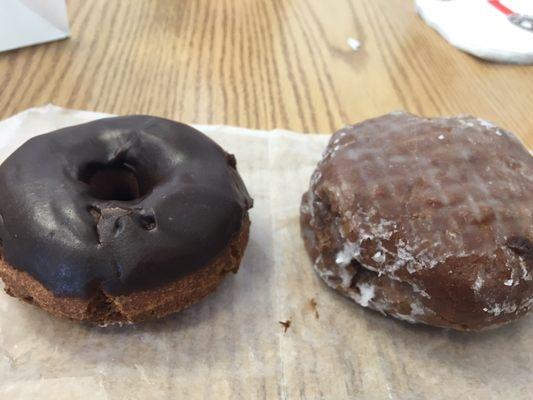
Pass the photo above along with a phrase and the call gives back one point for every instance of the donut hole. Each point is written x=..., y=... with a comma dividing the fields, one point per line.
x=112, y=181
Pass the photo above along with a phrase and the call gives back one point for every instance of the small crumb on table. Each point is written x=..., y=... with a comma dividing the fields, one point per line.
x=353, y=43
x=314, y=305
x=285, y=324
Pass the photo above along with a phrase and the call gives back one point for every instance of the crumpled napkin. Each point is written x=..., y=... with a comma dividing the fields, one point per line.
x=500, y=31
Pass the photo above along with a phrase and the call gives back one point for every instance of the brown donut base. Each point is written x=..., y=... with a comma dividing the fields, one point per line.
x=105, y=309
x=394, y=297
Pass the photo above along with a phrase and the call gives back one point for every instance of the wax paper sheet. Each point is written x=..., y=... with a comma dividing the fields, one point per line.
x=231, y=345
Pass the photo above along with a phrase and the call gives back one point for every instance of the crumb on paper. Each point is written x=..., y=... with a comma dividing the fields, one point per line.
x=313, y=305
x=353, y=43
x=285, y=324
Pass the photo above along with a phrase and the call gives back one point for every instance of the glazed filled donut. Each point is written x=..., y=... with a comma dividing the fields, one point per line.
x=426, y=220
x=120, y=220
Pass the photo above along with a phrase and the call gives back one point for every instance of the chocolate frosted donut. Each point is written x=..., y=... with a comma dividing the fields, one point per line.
x=426, y=220
x=120, y=219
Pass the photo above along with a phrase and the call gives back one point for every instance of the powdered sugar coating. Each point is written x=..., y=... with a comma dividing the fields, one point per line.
x=429, y=210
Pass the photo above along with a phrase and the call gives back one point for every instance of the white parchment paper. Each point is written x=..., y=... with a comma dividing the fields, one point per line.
x=231, y=346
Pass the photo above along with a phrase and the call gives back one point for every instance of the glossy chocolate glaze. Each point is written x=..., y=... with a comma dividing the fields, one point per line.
x=122, y=204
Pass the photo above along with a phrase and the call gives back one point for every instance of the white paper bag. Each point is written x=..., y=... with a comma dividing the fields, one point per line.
x=27, y=22
x=496, y=30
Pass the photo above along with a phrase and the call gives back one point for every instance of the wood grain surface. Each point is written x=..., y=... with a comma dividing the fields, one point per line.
x=262, y=64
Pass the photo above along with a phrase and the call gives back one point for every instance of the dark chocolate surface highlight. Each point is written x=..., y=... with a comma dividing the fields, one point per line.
x=119, y=204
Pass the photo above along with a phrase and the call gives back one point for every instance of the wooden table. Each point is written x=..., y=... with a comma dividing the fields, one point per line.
x=269, y=64
x=262, y=64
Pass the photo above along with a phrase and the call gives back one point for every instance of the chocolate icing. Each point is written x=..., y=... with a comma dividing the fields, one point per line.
x=425, y=219
x=121, y=204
